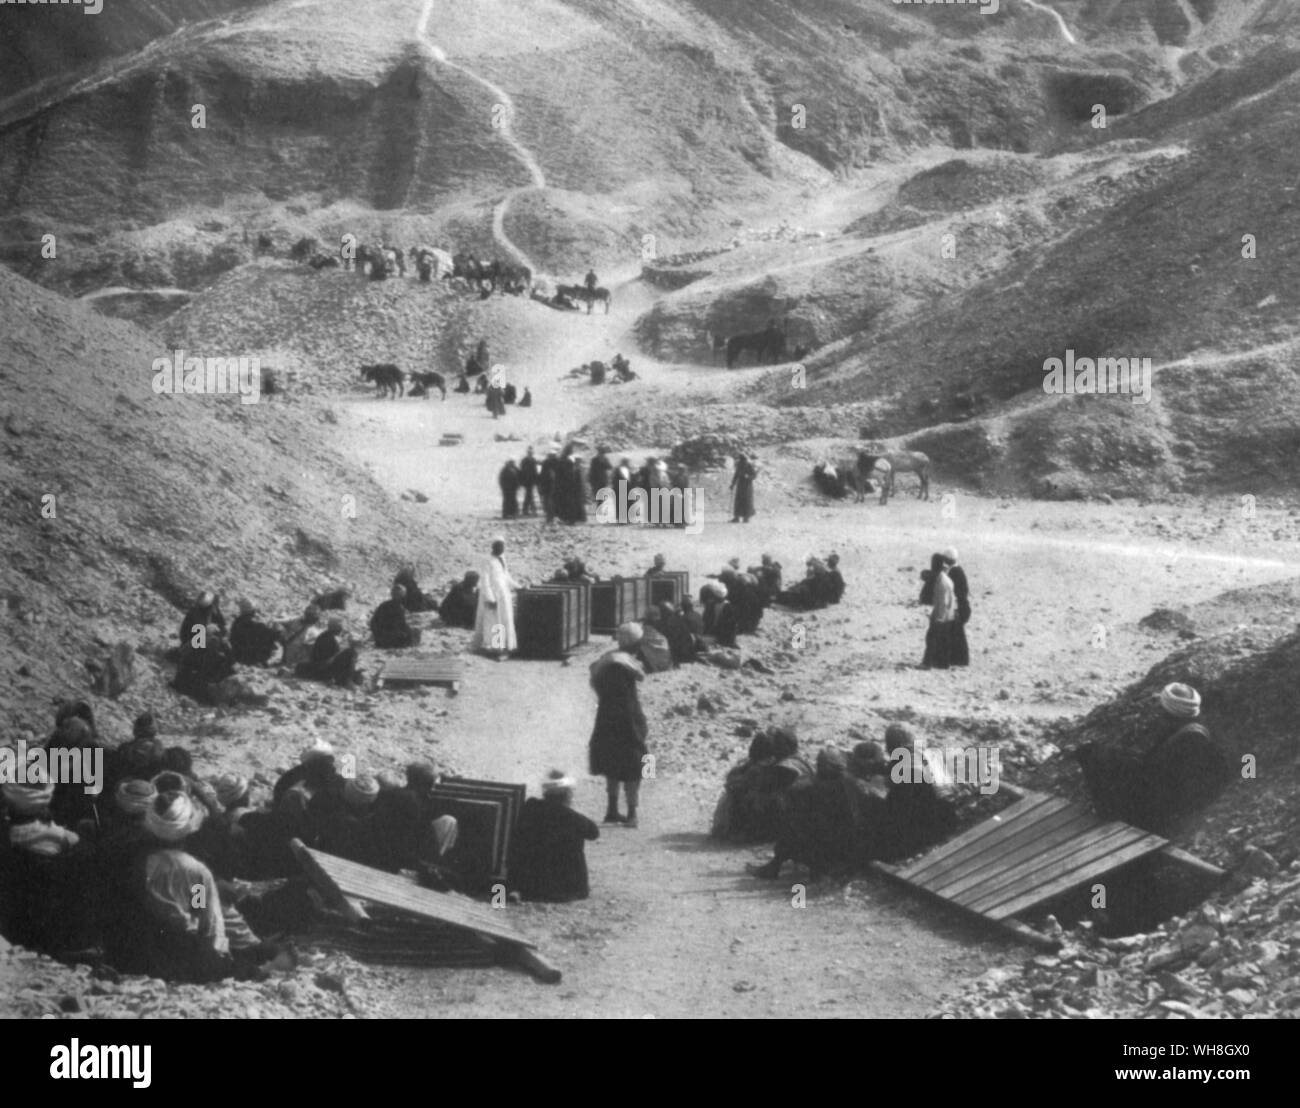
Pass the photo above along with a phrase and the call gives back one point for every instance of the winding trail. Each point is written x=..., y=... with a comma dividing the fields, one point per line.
x=1060, y=20
x=521, y=152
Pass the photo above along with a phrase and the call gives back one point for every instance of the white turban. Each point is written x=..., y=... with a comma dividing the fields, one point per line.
x=173, y=817
x=318, y=749
x=629, y=635
x=1181, y=701
x=950, y=555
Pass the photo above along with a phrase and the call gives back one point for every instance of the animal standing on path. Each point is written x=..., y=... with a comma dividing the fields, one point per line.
x=910, y=461
x=388, y=379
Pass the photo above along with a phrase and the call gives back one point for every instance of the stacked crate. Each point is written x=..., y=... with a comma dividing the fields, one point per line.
x=670, y=585
x=618, y=601
x=552, y=620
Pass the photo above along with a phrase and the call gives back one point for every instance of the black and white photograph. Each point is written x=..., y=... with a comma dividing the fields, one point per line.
x=651, y=509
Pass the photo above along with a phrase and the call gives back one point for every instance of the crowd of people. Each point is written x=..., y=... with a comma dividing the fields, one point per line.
x=839, y=811
x=174, y=873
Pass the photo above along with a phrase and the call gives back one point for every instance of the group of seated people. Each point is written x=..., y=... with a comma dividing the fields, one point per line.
x=167, y=872
x=838, y=813
x=312, y=646
x=822, y=586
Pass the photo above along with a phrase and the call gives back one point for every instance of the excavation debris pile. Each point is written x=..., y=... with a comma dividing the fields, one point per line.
x=1236, y=956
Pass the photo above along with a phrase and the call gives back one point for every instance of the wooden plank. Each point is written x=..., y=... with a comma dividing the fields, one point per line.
x=361, y=881
x=1097, y=843
x=1046, y=865
x=996, y=825
x=1110, y=862
x=963, y=872
x=1191, y=861
x=1013, y=927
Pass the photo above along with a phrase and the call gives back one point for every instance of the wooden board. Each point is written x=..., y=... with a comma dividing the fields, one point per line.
x=618, y=601
x=446, y=669
x=670, y=585
x=1037, y=849
x=340, y=880
x=394, y=891
x=552, y=620
x=511, y=797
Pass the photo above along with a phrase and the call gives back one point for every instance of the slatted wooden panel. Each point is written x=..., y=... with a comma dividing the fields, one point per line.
x=397, y=892
x=671, y=585
x=1039, y=847
x=617, y=601
x=510, y=797
x=444, y=670
x=553, y=619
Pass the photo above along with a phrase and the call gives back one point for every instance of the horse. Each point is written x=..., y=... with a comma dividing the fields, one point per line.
x=910, y=461
x=601, y=294
x=426, y=381
x=387, y=378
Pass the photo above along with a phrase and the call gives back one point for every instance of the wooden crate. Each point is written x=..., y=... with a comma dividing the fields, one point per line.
x=671, y=585
x=552, y=620
x=509, y=799
x=618, y=601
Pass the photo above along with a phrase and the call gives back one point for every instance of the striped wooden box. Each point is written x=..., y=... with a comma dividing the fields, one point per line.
x=618, y=601
x=552, y=620
x=671, y=585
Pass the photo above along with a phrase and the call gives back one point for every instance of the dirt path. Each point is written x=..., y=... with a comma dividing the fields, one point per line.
x=503, y=120
x=674, y=925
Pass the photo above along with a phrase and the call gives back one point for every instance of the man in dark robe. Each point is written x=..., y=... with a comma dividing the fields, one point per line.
x=719, y=616
x=252, y=643
x=820, y=821
x=509, y=394
x=460, y=605
x=742, y=482
x=388, y=623
x=548, y=483
x=547, y=857
x=415, y=600
x=681, y=642
x=526, y=401
x=598, y=474
x=617, y=748
x=330, y=660
x=961, y=587
x=509, y=481
x=528, y=476
x=206, y=610
x=834, y=582
x=204, y=663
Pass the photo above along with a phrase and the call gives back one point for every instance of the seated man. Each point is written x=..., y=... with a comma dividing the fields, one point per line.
x=42, y=872
x=330, y=660
x=205, y=662
x=388, y=623
x=654, y=650
x=749, y=603
x=719, y=616
x=206, y=610
x=820, y=823
x=460, y=606
x=526, y=401
x=834, y=581
x=681, y=643
x=252, y=643
x=917, y=812
x=415, y=600
x=547, y=856
x=299, y=635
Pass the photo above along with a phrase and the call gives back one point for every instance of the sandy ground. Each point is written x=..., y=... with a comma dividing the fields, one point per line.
x=674, y=926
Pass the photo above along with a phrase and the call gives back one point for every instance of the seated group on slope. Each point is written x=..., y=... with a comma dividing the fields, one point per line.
x=153, y=873
x=838, y=814
x=309, y=646
x=822, y=586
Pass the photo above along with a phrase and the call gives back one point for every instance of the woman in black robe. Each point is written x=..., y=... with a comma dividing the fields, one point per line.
x=618, y=740
x=960, y=586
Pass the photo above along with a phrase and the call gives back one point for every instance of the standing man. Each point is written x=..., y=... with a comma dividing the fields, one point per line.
x=548, y=482
x=528, y=474
x=961, y=588
x=742, y=482
x=509, y=480
x=494, y=623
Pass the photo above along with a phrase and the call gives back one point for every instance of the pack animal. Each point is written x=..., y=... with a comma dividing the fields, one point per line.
x=910, y=461
x=387, y=378
x=426, y=381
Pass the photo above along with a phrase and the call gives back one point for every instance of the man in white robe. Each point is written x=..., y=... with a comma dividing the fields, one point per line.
x=494, y=622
